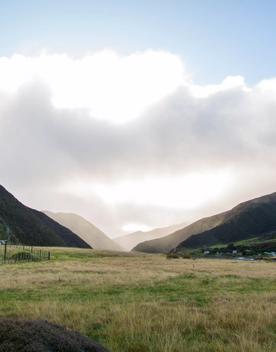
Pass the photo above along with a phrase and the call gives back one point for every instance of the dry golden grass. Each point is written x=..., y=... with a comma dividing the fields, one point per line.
x=140, y=303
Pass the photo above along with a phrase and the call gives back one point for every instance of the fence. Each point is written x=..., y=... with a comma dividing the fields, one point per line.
x=18, y=253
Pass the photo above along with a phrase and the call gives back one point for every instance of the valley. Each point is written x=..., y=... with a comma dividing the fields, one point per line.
x=199, y=288
x=137, y=177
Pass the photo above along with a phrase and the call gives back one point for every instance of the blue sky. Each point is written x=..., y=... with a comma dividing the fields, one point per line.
x=215, y=38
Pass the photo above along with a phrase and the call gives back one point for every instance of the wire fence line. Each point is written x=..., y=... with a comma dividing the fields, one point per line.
x=10, y=253
x=15, y=253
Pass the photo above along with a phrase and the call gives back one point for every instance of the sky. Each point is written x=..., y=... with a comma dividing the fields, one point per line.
x=137, y=114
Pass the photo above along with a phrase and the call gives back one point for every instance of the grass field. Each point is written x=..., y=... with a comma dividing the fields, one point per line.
x=140, y=303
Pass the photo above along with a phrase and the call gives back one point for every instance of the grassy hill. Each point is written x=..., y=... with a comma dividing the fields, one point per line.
x=167, y=243
x=31, y=227
x=249, y=219
x=254, y=218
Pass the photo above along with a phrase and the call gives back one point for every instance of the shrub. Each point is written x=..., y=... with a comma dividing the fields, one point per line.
x=41, y=336
x=173, y=256
x=186, y=255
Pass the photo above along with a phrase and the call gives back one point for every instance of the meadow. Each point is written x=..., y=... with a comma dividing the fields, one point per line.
x=148, y=303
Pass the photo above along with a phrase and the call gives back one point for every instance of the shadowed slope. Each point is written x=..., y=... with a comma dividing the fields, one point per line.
x=253, y=218
x=32, y=227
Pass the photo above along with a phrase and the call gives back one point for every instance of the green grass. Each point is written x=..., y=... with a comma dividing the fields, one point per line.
x=248, y=242
x=140, y=303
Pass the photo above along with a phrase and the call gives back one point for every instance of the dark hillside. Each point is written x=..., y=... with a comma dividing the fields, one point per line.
x=32, y=227
x=253, y=218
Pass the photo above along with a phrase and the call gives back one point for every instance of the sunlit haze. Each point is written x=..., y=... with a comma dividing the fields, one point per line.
x=136, y=130
x=186, y=192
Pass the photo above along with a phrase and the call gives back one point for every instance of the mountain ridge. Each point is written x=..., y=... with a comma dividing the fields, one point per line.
x=248, y=219
x=31, y=227
x=167, y=243
x=220, y=227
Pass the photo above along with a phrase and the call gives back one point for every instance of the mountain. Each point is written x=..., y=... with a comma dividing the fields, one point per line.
x=249, y=220
x=32, y=227
x=133, y=239
x=254, y=218
x=85, y=230
x=167, y=243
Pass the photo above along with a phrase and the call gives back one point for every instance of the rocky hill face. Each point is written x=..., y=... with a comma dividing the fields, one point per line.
x=32, y=227
x=85, y=230
x=254, y=218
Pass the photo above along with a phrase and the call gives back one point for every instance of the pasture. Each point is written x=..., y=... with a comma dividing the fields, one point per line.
x=148, y=303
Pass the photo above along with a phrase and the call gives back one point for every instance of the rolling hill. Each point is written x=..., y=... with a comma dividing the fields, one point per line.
x=167, y=243
x=85, y=230
x=128, y=242
x=252, y=219
x=32, y=227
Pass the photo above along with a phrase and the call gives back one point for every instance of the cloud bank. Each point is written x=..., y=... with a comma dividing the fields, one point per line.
x=132, y=139
x=111, y=87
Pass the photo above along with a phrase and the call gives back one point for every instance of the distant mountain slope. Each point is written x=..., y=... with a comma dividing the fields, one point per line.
x=85, y=230
x=254, y=218
x=166, y=244
x=133, y=239
x=32, y=227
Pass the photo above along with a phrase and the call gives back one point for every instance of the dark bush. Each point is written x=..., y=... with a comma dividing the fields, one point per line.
x=186, y=255
x=173, y=256
x=41, y=336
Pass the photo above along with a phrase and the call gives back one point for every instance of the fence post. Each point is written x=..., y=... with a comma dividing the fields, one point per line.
x=49, y=255
x=5, y=251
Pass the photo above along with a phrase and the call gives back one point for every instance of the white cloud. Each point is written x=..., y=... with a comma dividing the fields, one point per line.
x=186, y=151
x=229, y=83
x=112, y=87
